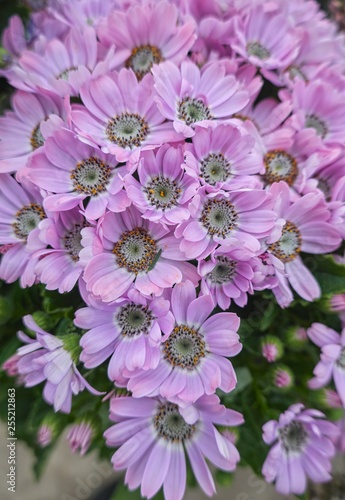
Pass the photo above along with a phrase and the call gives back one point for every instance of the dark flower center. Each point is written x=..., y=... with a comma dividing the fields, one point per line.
x=65, y=74
x=91, y=176
x=134, y=319
x=280, y=166
x=223, y=271
x=162, y=193
x=219, y=217
x=143, y=58
x=193, y=110
x=215, y=168
x=341, y=360
x=170, y=424
x=28, y=219
x=257, y=50
x=136, y=250
x=37, y=139
x=72, y=241
x=317, y=124
x=184, y=347
x=288, y=246
x=127, y=130
x=293, y=437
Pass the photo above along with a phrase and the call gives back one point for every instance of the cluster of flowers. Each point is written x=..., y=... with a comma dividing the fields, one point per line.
x=139, y=164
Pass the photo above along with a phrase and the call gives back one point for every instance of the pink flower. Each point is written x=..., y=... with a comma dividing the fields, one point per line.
x=306, y=229
x=316, y=105
x=59, y=266
x=271, y=348
x=237, y=218
x=23, y=124
x=46, y=359
x=134, y=250
x=141, y=44
x=83, y=13
x=193, y=361
x=22, y=212
x=222, y=158
x=189, y=96
x=121, y=116
x=164, y=190
x=129, y=330
x=302, y=447
x=74, y=172
x=265, y=38
x=58, y=67
x=44, y=435
x=155, y=434
x=282, y=377
x=332, y=363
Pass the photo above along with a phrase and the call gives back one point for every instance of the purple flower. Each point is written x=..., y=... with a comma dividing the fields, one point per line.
x=193, y=361
x=22, y=212
x=332, y=363
x=129, y=330
x=234, y=218
x=24, y=124
x=46, y=359
x=75, y=173
x=189, y=96
x=302, y=447
x=153, y=435
x=141, y=44
x=44, y=435
x=121, y=116
x=164, y=190
x=137, y=251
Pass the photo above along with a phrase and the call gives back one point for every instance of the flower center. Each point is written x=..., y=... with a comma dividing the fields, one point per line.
x=293, y=437
x=162, y=192
x=223, y=271
x=280, y=166
x=134, y=319
x=36, y=139
x=193, y=110
x=143, y=58
x=91, y=176
x=170, y=425
x=127, y=130
x=215, y=168
x=288, y=246
x=295, y=71
x=65, y=74
x=341, y=360
x=28, y=219
x=72, y=241
x=219, y=217
x=317, y=124
x=257, y=50
x=184, y=347
x=136, y=251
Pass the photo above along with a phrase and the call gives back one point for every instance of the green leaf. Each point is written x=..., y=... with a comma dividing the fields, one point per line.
x=330, y=284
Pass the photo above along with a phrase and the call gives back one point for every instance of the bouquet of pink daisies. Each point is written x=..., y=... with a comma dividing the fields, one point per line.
x=172, y=199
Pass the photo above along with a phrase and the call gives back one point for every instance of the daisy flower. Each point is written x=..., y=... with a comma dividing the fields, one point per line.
x=238, y=218
x=164, y=190
x=52, y=360
x=135, y=250
x=121, y=116
x=129, y=330
x=153, y=435
x=140, y=43
x=20, y=130
x=77, y=173
x=193, y=361
x=306, y=229
x=302, y=448
x=332, y=363
x=189, y=96
x=22, y=211
x=222, y=158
